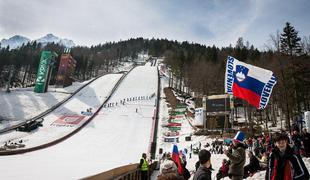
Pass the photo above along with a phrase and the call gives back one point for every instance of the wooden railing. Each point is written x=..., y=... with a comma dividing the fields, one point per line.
x=128, y=172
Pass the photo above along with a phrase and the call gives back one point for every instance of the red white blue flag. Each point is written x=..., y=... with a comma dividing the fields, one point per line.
x=248, y=82
x=176, y=158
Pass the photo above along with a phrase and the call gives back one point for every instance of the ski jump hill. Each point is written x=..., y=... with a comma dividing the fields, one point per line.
x=115, y=134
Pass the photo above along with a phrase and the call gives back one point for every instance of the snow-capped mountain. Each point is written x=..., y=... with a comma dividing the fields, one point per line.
x=14, y=41
x=51, y=38
x=17, y=41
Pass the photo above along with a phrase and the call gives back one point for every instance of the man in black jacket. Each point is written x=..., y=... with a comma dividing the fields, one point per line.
x=204, y=170
x=296, y=138
x=252, y=167
x=306, y=142
x=283, y=163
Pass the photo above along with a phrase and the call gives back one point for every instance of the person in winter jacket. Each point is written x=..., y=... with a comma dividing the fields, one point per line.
x=250, y=143
x=263, y=161
x=283, y=164
x=236, y=155
x=186, y=174
x=296, y=138
x=204, y=170
x=144, y=167
x=168, y=166
x=306, y=142
x=252, y=167
x=223, y=171
x=170, y=176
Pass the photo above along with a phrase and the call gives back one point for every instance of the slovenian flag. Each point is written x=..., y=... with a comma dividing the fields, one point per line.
x=249, y=82
x=176, y=158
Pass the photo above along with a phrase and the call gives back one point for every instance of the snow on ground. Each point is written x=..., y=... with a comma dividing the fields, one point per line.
x=55, y=124
x=186, y=128
x=116, y=136
x=22, y=104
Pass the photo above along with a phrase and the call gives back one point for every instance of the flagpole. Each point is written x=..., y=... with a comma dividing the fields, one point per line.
x=204, y=105
x=225, y=123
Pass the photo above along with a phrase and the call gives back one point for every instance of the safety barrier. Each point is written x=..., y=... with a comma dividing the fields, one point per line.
x=128, y=172
x=155, y=120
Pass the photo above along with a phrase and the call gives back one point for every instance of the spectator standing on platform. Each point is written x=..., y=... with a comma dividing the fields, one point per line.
x=252, y=167
x=236, y=155
x=170, y=176
x=296, y=138
x=144, y=167
x=306, y=142
x=204, y=170
x=168, y=165
x=283, y=164
x=223, y=171
x=250, y=143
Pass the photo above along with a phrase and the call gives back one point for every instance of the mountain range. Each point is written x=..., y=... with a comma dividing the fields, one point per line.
x=17, y=41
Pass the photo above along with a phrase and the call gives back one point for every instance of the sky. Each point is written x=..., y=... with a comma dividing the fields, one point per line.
x=90, y=22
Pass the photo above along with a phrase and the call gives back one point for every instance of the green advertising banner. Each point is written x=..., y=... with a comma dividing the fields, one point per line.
x=175, y=120
x=177, y=113
x=42, y=75
x=174, y=128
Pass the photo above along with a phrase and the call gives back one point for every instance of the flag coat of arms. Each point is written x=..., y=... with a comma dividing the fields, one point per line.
x=248, y=82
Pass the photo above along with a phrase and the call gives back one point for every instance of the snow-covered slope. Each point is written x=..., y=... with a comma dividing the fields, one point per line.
x=116, y=136
x=23, y=103
x=55, y=124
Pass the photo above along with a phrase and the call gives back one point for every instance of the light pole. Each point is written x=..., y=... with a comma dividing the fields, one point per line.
x=204, y=109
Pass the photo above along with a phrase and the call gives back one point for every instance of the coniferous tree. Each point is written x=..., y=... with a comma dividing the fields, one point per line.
x=290, y=42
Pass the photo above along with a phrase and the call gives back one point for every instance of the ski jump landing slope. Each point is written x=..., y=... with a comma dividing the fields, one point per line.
x=67, y=117
x=116, y=136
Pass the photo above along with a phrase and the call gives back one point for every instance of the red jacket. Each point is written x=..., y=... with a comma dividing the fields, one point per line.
x=287, y=167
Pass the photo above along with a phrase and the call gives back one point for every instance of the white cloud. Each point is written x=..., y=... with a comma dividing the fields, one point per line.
x=88, y=22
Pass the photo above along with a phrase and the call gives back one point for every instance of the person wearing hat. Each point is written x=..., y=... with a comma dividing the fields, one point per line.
x=236, y=155
x=168, y=165
x=204, y=170
x=283, y=164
